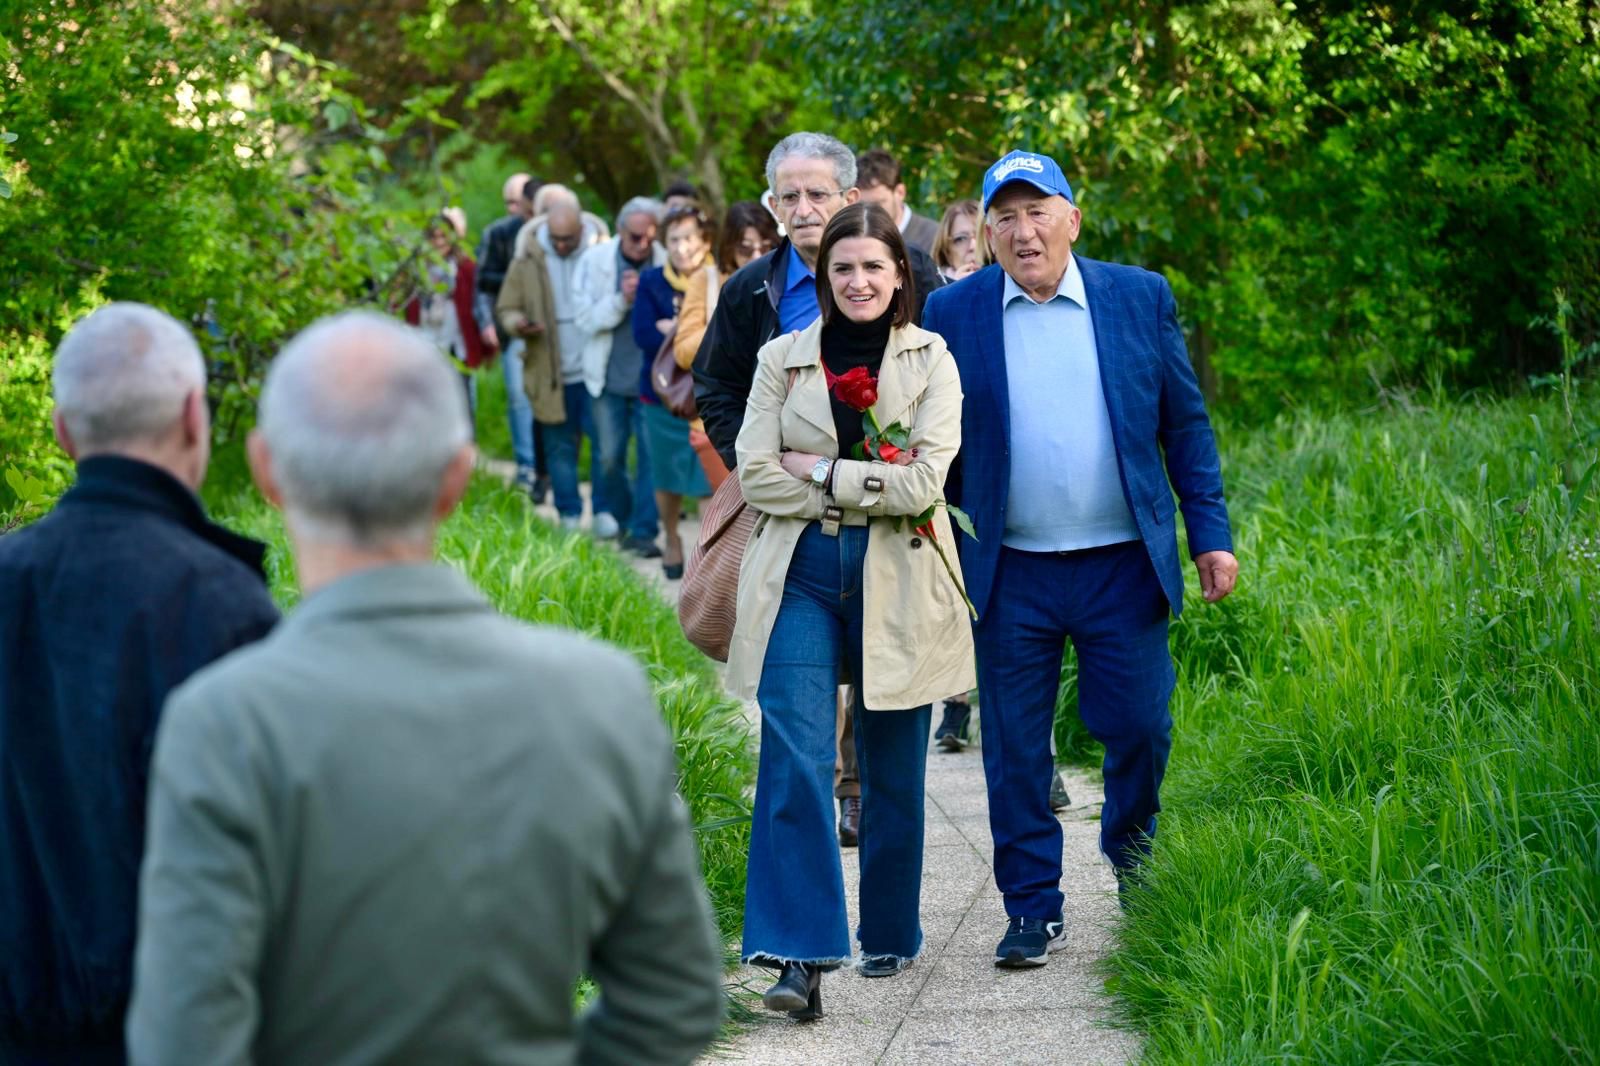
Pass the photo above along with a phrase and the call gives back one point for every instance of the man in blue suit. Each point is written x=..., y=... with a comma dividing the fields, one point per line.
x=1082, y=415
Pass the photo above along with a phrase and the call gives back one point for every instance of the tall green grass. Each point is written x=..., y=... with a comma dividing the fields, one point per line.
x=532, y=571
x=1381, y=835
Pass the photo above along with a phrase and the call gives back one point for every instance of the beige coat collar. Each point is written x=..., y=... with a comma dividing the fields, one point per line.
x=897, y=387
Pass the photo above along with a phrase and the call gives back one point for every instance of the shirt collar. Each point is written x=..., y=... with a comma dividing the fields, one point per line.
x=1071, y=288
x=905, y=216
x=799, y=273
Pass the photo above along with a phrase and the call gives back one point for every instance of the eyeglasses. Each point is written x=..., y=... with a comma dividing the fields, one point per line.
x=638, y=238
x=759, y=248
x=816, y=197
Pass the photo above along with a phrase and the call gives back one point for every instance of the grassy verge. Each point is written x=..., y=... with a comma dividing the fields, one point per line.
x=534, y=572
x=1381, y=840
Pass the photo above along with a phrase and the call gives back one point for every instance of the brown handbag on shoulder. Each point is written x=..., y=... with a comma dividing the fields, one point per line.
x=674, y=386
x=709, y=595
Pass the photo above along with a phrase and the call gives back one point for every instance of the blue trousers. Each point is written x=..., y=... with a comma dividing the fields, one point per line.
x=794, y=906
x=630, y=500
x=526, y=446
x=562, y=442
x=1109, y=603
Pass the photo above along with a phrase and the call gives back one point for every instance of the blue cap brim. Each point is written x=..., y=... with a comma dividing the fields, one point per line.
x=1046, y=189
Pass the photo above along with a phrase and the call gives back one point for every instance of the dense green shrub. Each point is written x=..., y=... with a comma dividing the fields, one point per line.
x=1380, y=826
x=533, y=571
x=1344, y=196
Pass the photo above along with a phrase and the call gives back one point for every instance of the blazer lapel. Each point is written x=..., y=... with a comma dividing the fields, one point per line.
x=1099, y=290
x=992, y=349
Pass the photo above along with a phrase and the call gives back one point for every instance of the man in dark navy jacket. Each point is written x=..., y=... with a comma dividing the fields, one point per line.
x=1081, y=418
x=109, y=602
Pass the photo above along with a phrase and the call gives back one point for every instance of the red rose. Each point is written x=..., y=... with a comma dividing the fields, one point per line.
x=887, y=451
x=855, y=387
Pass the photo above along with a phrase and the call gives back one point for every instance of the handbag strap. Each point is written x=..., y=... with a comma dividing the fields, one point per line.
x=713, y=290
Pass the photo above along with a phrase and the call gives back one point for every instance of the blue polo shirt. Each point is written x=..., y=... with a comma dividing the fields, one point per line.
x=1066, y=490
x=797, y=307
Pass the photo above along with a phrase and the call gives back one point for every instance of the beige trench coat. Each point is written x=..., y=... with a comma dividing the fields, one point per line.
x=917, y=642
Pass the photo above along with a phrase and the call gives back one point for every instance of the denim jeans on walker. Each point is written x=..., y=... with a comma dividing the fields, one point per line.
x=519, y=409
x=630, y=500
x=562, y=444
x=794, y=907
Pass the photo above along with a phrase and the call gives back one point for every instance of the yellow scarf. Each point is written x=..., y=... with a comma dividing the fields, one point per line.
x=678, y=282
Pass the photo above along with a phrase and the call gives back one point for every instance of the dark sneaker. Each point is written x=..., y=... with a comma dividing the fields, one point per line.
x=1028, y=943
x=952, y=732
x=540, y=491
x=882, y=965
x=1059, y=800
x=644, y=549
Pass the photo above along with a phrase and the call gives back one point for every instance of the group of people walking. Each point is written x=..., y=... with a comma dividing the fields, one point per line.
x=1050, y=398
x=396, y=826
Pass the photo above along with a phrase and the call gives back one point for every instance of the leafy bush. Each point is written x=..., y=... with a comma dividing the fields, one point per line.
x=532, y=571
x=1378, y=842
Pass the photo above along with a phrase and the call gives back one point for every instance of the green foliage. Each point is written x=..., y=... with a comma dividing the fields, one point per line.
x=175, y=155
x=1341, y=195
x=532, y=571
x=1380, y=820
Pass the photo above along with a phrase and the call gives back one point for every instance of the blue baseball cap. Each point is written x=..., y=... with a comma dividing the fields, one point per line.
x=1040, y=171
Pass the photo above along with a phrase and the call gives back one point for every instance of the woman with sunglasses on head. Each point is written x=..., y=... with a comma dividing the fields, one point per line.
x=836, y=582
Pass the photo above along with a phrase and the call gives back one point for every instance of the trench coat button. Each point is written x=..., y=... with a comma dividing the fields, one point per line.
x=916, y=542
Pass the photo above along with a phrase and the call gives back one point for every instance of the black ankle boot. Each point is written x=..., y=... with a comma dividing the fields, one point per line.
x=798, y=991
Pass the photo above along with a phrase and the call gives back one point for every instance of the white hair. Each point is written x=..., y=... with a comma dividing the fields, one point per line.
x=813, y=146
x=548, y=196
x=362, y=416
x=121, y=375
x=641, y=205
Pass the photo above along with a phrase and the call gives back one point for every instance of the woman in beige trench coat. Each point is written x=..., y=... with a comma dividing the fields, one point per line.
x=836, y=583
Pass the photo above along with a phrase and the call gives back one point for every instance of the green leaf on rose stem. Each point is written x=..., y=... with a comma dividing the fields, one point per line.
x=867, y=427
x=924, y=518
x=963, y=520
x=858, y=450
x=897, y=434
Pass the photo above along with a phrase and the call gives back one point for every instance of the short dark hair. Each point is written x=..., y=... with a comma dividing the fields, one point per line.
x=867, y=220
x=877, y=167
x=742, y=216
x=681, y=188
x=530, y=188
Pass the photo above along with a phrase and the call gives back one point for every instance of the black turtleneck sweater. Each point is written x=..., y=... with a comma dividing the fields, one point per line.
x=845, y=346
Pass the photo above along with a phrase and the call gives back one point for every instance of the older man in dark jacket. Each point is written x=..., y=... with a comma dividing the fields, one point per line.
x=811, y=176
x=110, y=601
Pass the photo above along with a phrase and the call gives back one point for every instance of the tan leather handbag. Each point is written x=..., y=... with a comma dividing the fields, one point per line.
x=709, y=595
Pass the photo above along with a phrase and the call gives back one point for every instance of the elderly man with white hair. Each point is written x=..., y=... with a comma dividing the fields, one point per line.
x=617, y=373
x=403, y=827
x=109, y=602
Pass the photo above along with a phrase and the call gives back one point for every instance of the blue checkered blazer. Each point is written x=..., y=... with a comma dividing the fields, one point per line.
x=1158, y=418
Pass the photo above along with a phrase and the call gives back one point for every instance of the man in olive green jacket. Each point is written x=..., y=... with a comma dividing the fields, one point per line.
x=401, y=829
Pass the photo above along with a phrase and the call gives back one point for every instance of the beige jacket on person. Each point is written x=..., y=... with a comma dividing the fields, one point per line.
x=917, y=639
x=526, y=297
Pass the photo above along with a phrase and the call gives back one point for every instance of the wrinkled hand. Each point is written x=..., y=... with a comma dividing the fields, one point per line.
x=799, y=464
x=1219, y=571
x=530, y=328
x=630, y=285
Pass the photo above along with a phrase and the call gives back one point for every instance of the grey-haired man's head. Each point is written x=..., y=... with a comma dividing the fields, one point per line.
x=363, y=437
x=130, y=380
x=811, y=176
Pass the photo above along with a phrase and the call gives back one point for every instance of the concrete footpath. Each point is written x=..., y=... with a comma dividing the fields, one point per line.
x=953, y=1005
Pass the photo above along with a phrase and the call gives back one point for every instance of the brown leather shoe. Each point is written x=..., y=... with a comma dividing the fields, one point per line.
x=849, y=821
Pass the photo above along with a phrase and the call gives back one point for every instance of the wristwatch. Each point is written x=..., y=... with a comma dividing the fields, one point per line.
x=819, y=473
